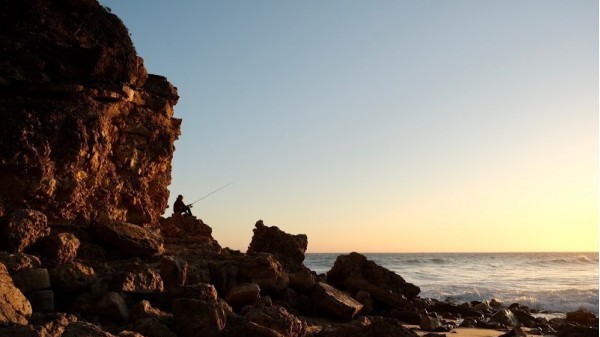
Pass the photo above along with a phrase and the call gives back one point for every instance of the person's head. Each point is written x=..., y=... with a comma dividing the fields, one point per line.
x=180, y=197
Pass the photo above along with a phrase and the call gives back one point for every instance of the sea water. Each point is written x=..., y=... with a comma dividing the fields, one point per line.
x=555, y=282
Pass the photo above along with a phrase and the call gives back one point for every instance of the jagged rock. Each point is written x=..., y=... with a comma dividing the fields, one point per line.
x=152, y=327
x=73, y=276
x=130, y=239
x=196, y=318
x=356, y=268
x=505, y=317
x=189, y=225
x=335, y=302
x=243, y=294
x=144, y=309
x=582, y=316
x=41, y=300
x=84, y=329
x=61, y=248
x=173, y=271
x=28, y=280
x=288, y=249
x=270, y=321
x=140, y=280
x=87, y=134
x=14, y=307
x=23, y=228
x=18, y=261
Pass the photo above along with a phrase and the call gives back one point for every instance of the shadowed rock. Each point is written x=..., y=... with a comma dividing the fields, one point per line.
x=354, y=272
x=287, y=248
x=130, y=239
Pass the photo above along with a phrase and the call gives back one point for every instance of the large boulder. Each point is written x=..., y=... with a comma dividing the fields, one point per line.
x=287, y=248
x=355, y=267
x=130, y=239
x=334, y=302
x=86, y=134
x=14, y=307
x=23, y=228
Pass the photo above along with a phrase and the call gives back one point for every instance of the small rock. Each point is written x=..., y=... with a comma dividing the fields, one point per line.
x=429, y=323
x=61, y=248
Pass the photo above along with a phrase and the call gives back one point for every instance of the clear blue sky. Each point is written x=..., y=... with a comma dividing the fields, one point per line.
x=461, y=125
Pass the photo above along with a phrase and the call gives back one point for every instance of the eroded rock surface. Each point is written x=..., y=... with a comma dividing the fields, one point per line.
x=87, y=134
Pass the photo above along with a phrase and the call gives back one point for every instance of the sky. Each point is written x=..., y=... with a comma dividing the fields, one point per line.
x=383, y=126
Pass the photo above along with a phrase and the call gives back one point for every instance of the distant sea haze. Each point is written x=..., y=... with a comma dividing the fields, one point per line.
x=555, y=282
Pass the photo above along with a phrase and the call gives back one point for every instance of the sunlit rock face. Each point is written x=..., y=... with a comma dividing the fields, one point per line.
x=85, y=133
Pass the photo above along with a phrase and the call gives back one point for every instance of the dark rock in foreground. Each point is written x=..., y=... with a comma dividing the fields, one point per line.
x=288, y=249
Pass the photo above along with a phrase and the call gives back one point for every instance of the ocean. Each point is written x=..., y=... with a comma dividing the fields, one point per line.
x=555, y=282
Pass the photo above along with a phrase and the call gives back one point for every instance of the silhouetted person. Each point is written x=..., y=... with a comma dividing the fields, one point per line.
x=180, y=207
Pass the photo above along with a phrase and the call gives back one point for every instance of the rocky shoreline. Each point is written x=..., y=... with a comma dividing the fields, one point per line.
x=85, y=160
x=120, y=279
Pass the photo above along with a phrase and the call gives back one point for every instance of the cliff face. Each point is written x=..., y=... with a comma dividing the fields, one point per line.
x=86, y=133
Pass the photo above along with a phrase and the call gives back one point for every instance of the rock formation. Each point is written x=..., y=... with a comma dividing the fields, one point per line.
x=87, y=134
x=85, y=159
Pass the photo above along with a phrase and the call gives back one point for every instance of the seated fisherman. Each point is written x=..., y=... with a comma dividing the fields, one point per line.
x=181, y=207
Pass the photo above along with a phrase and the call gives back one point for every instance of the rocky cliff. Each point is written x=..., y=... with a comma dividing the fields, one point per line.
x=87, y=137
x=87, y=134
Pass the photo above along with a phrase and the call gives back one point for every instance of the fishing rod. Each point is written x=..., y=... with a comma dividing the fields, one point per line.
x=215, y=191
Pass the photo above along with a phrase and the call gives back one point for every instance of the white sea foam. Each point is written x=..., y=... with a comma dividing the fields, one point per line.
x=556, y=282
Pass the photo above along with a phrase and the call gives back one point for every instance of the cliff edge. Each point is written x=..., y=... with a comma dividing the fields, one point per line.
x=87, y=135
